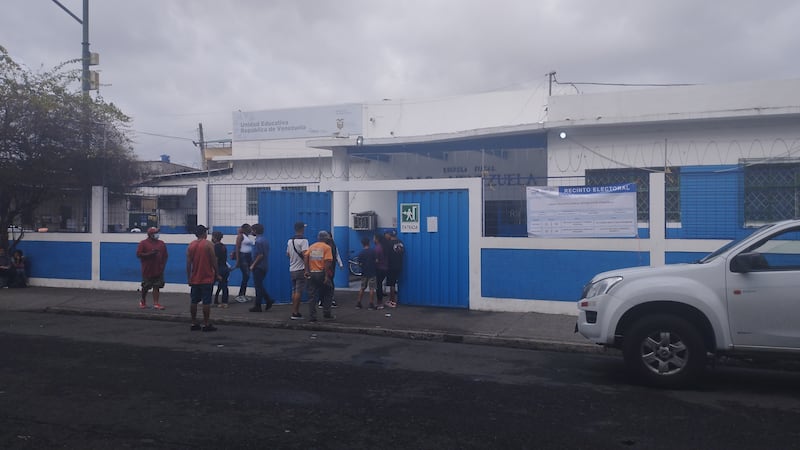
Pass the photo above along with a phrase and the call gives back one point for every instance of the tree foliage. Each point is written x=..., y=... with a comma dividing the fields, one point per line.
x=53, y=137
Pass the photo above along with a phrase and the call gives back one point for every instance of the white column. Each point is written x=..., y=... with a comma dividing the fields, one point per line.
x=202, y=204
x=341, y=213
x=96, y=223
x=658, y=221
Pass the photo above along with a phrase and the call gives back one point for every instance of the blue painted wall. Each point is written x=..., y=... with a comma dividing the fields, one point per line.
x=712, y=203
x=118, y=262
x=64, y=260
x=548, y=274
x=682, y=257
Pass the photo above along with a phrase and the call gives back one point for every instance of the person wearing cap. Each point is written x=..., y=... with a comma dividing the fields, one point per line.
x=201, y=271
x=295, y=249
x=319, y=272
x=152, y=253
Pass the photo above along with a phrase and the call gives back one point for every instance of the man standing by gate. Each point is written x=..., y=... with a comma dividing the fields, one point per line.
x=319, y=272
x=259, y=268
x=396, y=252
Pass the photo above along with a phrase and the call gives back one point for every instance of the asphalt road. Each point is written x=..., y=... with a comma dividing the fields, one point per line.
x=88, y=382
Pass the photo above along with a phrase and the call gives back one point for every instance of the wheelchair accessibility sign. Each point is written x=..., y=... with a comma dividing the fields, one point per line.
x=409, y=218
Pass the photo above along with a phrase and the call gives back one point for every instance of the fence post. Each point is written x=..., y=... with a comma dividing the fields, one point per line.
x=99, y=204
x=658, y=223
x=202, y=204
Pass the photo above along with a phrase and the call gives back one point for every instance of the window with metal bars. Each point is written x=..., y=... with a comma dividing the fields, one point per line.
x=641, y=176
x=252, y=199
x=771, y=192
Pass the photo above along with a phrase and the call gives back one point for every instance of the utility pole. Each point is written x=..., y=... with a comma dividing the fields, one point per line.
x=86, y=56
x=551, y=77
x=202, y=146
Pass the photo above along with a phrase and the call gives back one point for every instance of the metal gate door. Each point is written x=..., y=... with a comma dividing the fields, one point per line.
x=278, y=211
x=436, y=263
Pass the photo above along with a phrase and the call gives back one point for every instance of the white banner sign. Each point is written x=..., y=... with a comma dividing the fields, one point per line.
x=582, y=211
x=322, y=121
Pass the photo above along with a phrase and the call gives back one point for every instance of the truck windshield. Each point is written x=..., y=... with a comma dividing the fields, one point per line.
x=713, y=255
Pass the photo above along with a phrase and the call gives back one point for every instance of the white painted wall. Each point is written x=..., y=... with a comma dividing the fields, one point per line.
x=398, y=118
x=673, y=144
x=760, y=98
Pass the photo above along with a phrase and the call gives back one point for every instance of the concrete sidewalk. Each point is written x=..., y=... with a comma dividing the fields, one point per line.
x=522, y=330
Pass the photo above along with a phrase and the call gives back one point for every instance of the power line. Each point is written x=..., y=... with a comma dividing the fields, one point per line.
x=164, y=136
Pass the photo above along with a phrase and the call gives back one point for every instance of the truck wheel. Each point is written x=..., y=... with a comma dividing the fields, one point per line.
x=664, y=351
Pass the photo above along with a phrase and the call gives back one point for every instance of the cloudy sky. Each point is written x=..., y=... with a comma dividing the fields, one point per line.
x=172, y=64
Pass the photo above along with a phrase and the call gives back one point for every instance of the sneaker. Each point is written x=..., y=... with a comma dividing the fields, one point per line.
x=158, y=307
x=333, y=304
x=371, y=307
x=209, y=327
x=195, y=327
x=392, y=304
x=255, y=309
x=142, y=305
x=380, y=306
x=358, y=306
x=268, y=305
x=319, y=304
x=296, y=316
x=222, y=305
x=242, y=299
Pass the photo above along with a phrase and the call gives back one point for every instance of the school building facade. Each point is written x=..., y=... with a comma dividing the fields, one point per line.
x=450, y=175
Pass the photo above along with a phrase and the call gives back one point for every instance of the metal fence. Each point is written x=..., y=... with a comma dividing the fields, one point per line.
x=173, y=209
x=64, y=211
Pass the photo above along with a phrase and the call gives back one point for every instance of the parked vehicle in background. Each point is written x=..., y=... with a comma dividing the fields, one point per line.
x=743, y=300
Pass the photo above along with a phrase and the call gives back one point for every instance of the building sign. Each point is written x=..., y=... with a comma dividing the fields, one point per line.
x=409, y=217
x=582, y=211
x=322, y=121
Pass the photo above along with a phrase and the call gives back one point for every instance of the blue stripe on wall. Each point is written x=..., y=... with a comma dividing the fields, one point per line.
x=63, y=260
x=682, y=257
x=118, y=262
x=548, y=274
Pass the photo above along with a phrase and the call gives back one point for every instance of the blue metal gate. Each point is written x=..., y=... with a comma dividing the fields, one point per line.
x=436, y=263
x=278, y=211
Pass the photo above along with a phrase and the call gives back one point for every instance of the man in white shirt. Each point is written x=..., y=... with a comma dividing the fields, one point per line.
x=295, y=250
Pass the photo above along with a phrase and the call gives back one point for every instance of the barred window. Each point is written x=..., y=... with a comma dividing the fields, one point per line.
x=252, y=199
x=771, y=192
x=294, y=188
x=641, y=176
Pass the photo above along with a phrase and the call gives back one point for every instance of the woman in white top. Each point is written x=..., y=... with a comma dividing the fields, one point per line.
x=243, y=254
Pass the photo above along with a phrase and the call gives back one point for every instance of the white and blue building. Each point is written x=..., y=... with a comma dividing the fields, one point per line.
x=710, y=163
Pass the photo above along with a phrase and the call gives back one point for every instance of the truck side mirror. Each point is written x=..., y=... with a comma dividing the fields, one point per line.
x=748, y=262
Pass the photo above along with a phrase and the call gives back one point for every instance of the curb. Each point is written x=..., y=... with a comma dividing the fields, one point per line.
x=418, y=335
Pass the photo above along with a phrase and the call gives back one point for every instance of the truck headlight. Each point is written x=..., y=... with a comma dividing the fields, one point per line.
x=600, y=287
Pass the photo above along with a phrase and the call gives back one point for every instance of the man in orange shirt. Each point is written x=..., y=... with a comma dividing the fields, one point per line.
x=319, y=272
x=201, y=270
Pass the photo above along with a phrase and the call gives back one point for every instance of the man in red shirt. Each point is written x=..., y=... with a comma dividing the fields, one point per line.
x=152, y=252
x=201, y=271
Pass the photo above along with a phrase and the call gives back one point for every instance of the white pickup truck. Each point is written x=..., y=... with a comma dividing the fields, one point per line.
x=741, y=300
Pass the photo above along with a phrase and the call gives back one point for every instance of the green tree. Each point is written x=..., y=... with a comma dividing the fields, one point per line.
x=52, y=137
